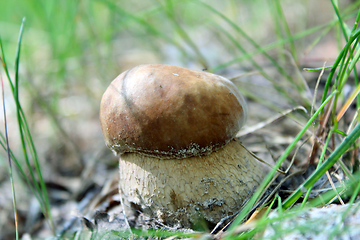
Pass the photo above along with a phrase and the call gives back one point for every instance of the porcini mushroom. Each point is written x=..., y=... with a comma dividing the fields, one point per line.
x=173, y=129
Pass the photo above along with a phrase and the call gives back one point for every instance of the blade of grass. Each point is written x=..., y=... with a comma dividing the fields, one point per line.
x=19, y=167
x=345, y=71
x=317, y=69
x=354, y=35
x=344, y=27
x=315, y=143
x=321, y=158
x=341, y=22
x=345, y=189
x=9, y=160
x=278, y=31
x=269, y=176
x=355, y=72
x=335, y=155
x=281, y=15
x=336, y=64
x=351, y=67
x=25, y=135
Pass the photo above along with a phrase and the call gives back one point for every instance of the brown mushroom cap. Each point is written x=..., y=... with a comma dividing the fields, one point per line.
x=168, y=111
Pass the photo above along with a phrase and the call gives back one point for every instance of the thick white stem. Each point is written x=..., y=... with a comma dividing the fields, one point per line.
x=181, y=191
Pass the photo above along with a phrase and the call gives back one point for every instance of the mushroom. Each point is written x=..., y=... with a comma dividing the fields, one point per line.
x=173, y=129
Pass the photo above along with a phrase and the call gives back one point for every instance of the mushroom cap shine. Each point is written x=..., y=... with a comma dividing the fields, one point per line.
x=173, y=112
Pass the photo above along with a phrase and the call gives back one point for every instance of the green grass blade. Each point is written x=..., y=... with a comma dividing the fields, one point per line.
x=277, y=26
x=19, y=112
x=19, y=168
x=350, y=68
x=25, y=135
x=31, y=183
x=340, y=57
x=342, y=24
x=339, y=62
x=9, y=160
x=343, y=147
x=348, y=188
x=270, y=175
x=281, y=15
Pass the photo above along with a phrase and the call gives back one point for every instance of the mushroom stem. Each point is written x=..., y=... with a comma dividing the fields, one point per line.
x=182, y=191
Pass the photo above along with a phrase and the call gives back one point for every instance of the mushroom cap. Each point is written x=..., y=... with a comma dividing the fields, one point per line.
x=173, y=112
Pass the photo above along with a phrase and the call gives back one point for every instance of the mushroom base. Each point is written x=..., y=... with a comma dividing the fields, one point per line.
x=182, y=191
